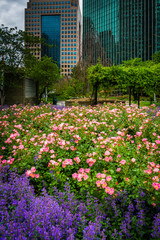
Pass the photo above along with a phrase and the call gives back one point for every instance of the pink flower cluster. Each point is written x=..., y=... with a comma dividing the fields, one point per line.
x=53, y=163
x=9, y=161
x=91, y=161
x=77, y=160
x=81, y=174
x=67, y=162
x=152, y=168
x=102, y=183
x=31, y=173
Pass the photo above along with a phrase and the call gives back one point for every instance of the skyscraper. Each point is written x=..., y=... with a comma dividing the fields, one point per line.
x=122, y=29
x=59, y=23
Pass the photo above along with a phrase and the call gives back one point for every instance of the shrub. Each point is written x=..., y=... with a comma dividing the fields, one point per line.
x=63, y=216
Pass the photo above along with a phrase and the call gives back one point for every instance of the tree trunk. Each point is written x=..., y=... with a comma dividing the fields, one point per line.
x=95, y=94
x=138, y=95
x=40, y=96
x=37, y=92
x=135, y=97
x=2, y=97
x=129, y=96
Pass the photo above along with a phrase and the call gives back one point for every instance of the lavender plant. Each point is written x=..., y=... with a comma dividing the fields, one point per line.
x=23, y=215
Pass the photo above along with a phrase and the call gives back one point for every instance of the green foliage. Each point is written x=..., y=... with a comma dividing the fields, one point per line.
x=69, y=88
x=14, y=48
x=16, y=56
x=156, y=57
x=45, y=73
x=138, y=77
x=135, y=76
x=96, y=76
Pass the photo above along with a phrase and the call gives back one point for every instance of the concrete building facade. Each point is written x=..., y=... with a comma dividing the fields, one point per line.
x=59, y=23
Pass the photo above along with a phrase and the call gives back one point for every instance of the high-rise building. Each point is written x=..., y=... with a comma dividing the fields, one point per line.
x=59, y=23
x=118, y=30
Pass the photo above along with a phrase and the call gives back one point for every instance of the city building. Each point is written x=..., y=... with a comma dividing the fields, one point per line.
x=59, y=23
x=118, y=30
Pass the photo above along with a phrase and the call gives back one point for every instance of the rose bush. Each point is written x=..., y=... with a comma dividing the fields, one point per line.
x=100, y=150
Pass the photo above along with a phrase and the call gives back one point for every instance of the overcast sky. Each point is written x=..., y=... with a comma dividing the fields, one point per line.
x=12, y=13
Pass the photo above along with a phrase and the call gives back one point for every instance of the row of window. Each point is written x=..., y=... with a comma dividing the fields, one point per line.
x=68, y=36
x=41, y=3
x=68, y=40
x=33, y=20
x=54, y=3
x=68, y=49
x=67, y=70
x=63, y=36
x=68, y=61
x=33, y=24
x=68, y=66
x=69, y=19
x=69, y=45
x=51, y=7
x=29, y=12
x=63, y=15
x=32, y=33
x=69, y=32
x=68, y=28
x=69, y=53
x=69, y=57
x=29, y=29
x=69, y=23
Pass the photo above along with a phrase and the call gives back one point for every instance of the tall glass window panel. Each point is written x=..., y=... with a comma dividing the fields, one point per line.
x=51, y=32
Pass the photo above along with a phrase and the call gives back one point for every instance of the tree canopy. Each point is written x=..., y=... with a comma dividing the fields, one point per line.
x=134, y=75
x=45, y=73
x=15, y=56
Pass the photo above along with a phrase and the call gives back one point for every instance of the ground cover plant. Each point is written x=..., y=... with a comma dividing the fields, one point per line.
x=110, y=152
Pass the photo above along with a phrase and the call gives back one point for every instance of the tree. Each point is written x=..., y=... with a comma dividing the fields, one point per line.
x=79, y=73
x=137, y=76
x=15, y=56
x=96, y=76
x=155, y=79
x=45, y=73
x=156, y=57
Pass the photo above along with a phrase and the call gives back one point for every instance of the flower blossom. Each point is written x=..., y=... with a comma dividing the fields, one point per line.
x=138, y=134
x=91, y=161
x=156, y=185
x=31, y=173
x=108, y=178
x=123, y=162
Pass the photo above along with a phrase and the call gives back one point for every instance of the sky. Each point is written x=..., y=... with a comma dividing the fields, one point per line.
x=12, y=13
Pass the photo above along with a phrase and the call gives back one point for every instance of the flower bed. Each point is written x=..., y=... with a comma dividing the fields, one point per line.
x=63, y=216
x=102, y=150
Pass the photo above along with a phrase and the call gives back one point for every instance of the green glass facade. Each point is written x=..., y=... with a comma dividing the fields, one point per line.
x=117, y=30
x=51, y=32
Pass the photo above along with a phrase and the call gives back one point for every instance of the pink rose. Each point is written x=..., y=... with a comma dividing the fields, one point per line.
x=118, y=169
x=123, y=162
x=108, y=178
x=138, y=134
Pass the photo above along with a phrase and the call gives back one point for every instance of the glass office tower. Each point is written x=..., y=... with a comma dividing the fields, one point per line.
x=59, y=23
x=117, y=30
